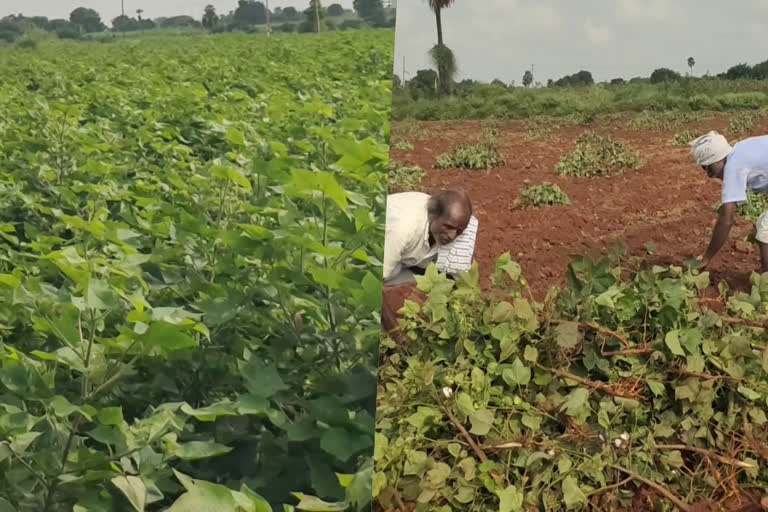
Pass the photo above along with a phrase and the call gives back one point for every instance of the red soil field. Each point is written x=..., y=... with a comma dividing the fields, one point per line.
x=667, y=202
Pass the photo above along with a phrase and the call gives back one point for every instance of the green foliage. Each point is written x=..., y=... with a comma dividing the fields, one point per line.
x=755, y=206
x=546, y=194
x=476, y=100
x=404, y=178
x=482, y=155
x=596, y=155
x=683, y=138
x=558, y=404
x=190, y=272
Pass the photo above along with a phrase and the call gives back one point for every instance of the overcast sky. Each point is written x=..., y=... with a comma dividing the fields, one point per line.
x=110, y=9
x=610, y=38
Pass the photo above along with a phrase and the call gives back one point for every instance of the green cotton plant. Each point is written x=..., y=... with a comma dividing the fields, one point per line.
x=190, y=272
x=545, y=194
x=623, y=374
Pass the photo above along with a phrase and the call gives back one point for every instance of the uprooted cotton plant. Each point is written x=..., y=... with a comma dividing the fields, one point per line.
x=611, y=385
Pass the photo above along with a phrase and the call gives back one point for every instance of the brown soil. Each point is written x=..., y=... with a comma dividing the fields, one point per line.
x=668, y=202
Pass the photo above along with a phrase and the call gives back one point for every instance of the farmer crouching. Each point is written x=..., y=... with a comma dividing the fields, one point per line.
x=740, y=167
x=422, y=229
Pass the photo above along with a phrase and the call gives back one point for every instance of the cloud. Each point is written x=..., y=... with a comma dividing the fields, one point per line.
x=647, y=10
x=596, y=34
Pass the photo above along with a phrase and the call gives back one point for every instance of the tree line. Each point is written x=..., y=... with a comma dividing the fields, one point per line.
x=426, y=82
x=247, y=15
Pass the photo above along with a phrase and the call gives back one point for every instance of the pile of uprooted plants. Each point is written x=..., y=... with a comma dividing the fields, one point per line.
x=625, y=388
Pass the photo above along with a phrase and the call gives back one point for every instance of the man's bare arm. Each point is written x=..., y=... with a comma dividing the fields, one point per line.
x=721, y=232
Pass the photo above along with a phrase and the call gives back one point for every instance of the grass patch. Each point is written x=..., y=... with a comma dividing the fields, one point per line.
x=682, y=138
x=412, y=130
x=482, y=155
x=538, y=128
x=663, y=121
x=596, y=155
x=403, y=145
x=405, y=178
x=546, y=194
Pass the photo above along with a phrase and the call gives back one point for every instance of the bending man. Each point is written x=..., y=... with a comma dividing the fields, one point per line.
x=740, y=167
x=421, y=229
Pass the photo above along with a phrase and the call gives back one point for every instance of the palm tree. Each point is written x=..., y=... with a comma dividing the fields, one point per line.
x=437, y=6
x=691, y=63
x=441, y=55
x=139, y=12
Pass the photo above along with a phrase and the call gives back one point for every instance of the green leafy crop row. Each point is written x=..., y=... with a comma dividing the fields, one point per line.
x=190, y=271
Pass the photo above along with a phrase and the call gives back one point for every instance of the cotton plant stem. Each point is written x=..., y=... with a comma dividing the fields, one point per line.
x=662, y=490
x=602, y=386
x=475, y=447
x=707, y=453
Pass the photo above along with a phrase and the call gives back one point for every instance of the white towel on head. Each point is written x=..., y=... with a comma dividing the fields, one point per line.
x=456, y=257
x=710, y=148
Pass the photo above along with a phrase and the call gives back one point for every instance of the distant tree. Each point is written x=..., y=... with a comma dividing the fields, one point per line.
x=760, y=70
x=287, y=27
x=396, y=82
x=314, y=14
x=139, y=12
x=210, y=18
x=290, y=13
x=10, y=31
x=180, y=22
x=618, y=81
x=738, y=71
x=250, y=12
x=446, y=67
x=87, y=20
x=371, y=11
x=498, y=82
x=527, y=78
x=691, y=63
x=582, y=78
x=335, y=10
x=39, y=22
x=550, y=82
x=125, y=24
x=664, y=75
x=424, y=84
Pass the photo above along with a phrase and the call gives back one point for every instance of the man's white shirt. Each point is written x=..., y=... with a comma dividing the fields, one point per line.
x=746, y=168
x=406, y=242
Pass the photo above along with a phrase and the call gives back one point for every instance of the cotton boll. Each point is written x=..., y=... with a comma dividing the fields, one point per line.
x=447, y=392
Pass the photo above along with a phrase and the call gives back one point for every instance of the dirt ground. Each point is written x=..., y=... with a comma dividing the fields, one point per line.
x=668, y=202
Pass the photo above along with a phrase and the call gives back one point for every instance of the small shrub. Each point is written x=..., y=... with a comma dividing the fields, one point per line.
x=755, y=205
x=546, y=194
x=596, y=155
x=404, y=178
x=403, y=145
x=474, y=156
x=288, y=27
x=683, y=138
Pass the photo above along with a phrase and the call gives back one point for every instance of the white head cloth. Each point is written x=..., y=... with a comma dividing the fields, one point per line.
x=710, y=148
